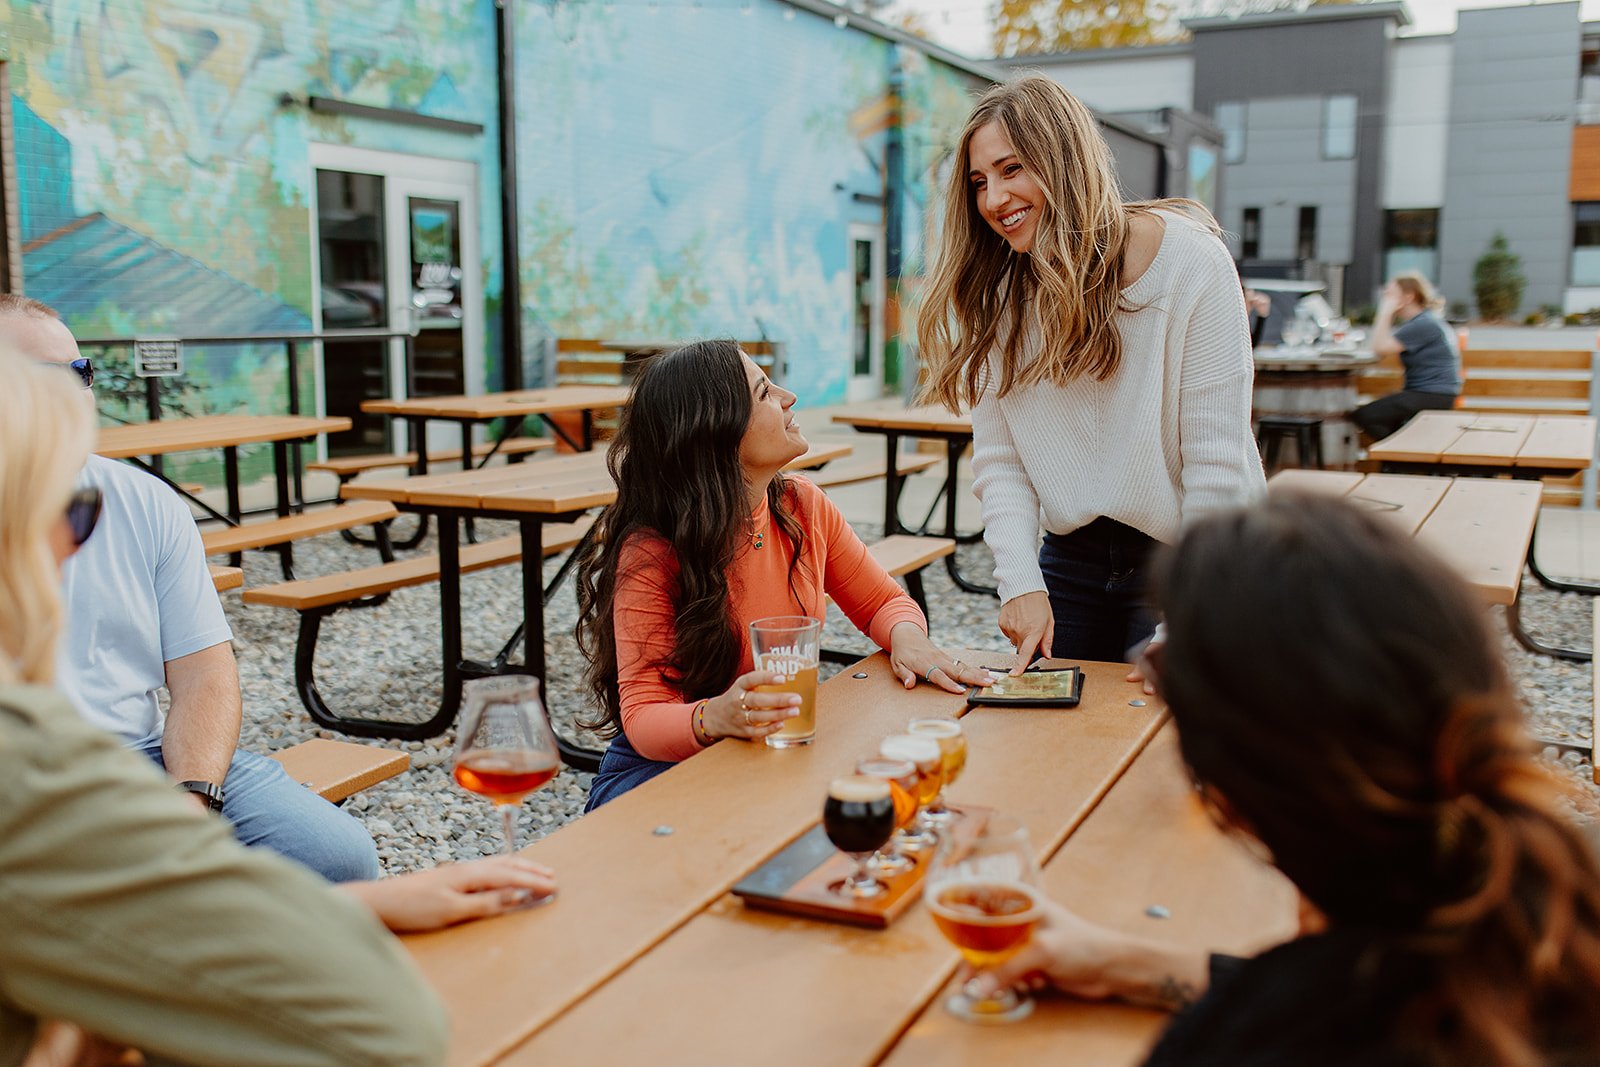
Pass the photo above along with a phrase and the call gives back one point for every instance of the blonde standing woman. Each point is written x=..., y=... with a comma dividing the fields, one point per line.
x=1104, y=351
x=127, y=913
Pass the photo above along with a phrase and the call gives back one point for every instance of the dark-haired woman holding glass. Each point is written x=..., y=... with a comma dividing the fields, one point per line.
x=707, y=535
x=1339, y=700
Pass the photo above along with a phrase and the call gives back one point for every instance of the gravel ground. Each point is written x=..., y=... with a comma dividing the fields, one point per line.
x=385, y=662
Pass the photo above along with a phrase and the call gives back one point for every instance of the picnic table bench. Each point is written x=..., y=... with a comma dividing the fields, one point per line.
x=337, y=770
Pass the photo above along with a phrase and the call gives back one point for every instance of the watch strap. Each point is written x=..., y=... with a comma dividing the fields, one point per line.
x=210, y=790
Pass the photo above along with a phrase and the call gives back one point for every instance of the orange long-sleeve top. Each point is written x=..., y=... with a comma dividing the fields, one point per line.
x=656, y=716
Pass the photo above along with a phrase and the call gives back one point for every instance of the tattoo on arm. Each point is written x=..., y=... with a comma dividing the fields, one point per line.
x=1170, y=994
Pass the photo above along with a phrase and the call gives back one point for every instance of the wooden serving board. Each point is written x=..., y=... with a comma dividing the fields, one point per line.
x=800, y=879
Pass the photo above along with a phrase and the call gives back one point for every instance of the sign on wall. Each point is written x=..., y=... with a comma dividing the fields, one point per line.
x=157, y=359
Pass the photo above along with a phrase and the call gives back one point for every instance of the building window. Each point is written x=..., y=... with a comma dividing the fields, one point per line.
x=1339, y=127
x=1230, y=119
x=1586, y=244
x=1250, y=234
x=1411, y=242
x=1305, y=245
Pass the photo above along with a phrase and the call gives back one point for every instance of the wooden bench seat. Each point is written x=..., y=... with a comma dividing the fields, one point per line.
x=905, y=554
x=865, y=469
x=225, y=578
x=231, y=539
x=335, y=770
x=347, y=467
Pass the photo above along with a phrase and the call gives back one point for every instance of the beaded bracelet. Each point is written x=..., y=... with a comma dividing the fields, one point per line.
x=699, y=723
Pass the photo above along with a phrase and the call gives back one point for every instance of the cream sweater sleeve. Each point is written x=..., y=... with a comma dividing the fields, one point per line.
x=1009, y=503
x=1221, y=467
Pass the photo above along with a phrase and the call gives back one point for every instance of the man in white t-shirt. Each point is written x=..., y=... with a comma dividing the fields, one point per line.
x=142, y=614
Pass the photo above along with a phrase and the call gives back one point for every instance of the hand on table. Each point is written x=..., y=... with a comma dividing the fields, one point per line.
x=750, y=716
x=914, y=658
x=1030, y=624
x=1091, y=961
x=1144, y=669
x=454, y=893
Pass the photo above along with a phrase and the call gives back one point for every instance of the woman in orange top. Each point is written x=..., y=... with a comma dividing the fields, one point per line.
x=705, y=536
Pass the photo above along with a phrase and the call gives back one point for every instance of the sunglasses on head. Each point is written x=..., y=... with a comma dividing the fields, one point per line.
x=84, y=368
x=83, y=513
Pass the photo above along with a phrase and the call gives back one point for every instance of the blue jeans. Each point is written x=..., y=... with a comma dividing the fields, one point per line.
x=269, y=809
x=1095, y=576
x=621, y=769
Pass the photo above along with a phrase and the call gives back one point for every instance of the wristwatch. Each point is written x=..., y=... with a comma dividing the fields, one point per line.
x=210, y=790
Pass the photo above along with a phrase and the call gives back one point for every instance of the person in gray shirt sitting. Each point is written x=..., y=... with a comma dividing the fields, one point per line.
x=1408, y=325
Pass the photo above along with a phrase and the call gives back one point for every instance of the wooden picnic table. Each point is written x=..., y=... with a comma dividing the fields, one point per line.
x=1497, y=446
x=559, y=489
x=1455, y=442
x=468, y=411
x=138, y=441
x=894, y=420
x=645, y=936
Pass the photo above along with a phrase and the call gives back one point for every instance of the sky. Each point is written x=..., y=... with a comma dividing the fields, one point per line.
x=964, y=25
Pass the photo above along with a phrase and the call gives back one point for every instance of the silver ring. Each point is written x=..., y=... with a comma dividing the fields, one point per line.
x=929, y=676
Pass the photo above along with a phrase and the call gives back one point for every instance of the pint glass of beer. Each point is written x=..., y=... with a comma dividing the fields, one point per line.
x=983, y=892
x=790, y=645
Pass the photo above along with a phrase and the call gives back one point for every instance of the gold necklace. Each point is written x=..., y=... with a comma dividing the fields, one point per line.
x=756, y=540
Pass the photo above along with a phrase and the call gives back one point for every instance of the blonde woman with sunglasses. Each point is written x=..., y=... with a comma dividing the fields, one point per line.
x=132, y=916
x=1104, y=351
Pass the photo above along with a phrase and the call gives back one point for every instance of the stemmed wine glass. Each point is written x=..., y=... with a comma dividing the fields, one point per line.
x=504, y=747
x=983, y=892
x=953, y=748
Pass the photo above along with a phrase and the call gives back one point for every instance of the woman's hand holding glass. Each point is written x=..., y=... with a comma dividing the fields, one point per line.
x=746, y=714
x=915, y=659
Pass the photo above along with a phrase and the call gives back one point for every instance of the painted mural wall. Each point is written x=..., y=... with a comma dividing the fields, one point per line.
x=165, y=181
x=693, y=170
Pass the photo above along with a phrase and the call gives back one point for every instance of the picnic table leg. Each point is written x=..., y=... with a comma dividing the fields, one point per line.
x=230, y=478
x=1532, y=644
x=953, y=448
x=588, y=429
x=280, y=473
x=893, y=482
x=573, y=755
x=1557, y=584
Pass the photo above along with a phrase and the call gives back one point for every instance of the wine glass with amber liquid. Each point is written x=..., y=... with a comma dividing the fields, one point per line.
x=983, y=892
x=505, y=748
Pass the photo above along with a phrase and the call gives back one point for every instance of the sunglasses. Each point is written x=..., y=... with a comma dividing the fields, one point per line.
x=84, y=368
x=83, y=513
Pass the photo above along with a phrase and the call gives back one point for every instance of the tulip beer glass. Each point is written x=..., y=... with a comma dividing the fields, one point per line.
x=790, y=645
x=504, y=748
x=953, y=746
x=858, y=818
x=983, y=892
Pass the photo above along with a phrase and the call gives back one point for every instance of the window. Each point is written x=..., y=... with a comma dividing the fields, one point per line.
x=1231, y=119
x=1586, y=244
x=1411, y=242
x=1305, y=246
x=1250, y=234
x=1339, y=127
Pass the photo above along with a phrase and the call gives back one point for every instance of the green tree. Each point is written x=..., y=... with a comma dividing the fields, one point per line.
x=1497, y=280
x=1029, y=26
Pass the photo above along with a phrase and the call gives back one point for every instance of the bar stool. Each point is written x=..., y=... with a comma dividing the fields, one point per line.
x=1304, y=430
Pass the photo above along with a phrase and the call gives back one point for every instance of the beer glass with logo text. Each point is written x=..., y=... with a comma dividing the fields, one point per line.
x=790, y=645
x=983, y=893
x=953, y=746
x=858, y=818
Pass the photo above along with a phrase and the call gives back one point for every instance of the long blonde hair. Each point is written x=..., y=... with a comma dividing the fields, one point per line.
x=1069, y=282
x=46, y=431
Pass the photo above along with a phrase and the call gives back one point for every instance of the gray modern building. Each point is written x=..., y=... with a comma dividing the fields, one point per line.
x=1352, y=152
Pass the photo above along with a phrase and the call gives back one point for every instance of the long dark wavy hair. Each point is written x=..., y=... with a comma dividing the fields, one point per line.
x=1336, y=686
x=675, y=460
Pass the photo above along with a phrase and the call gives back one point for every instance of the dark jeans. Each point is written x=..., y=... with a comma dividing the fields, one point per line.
x=621, y=769
x=1095, y=576
x=1387, y=414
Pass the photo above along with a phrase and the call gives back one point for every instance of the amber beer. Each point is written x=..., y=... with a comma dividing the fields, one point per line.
x=504, y=777
x=790, y=645
x=953, y=747
x=989, y=921
x=802, y=729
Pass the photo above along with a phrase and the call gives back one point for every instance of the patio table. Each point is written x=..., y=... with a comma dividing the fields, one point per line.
x=894, y=421
x=469, y=411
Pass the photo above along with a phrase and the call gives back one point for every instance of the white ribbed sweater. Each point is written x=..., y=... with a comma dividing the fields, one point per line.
x=1166, y=438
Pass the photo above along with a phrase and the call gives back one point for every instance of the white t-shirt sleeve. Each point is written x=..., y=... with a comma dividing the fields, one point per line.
x=191, y=614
